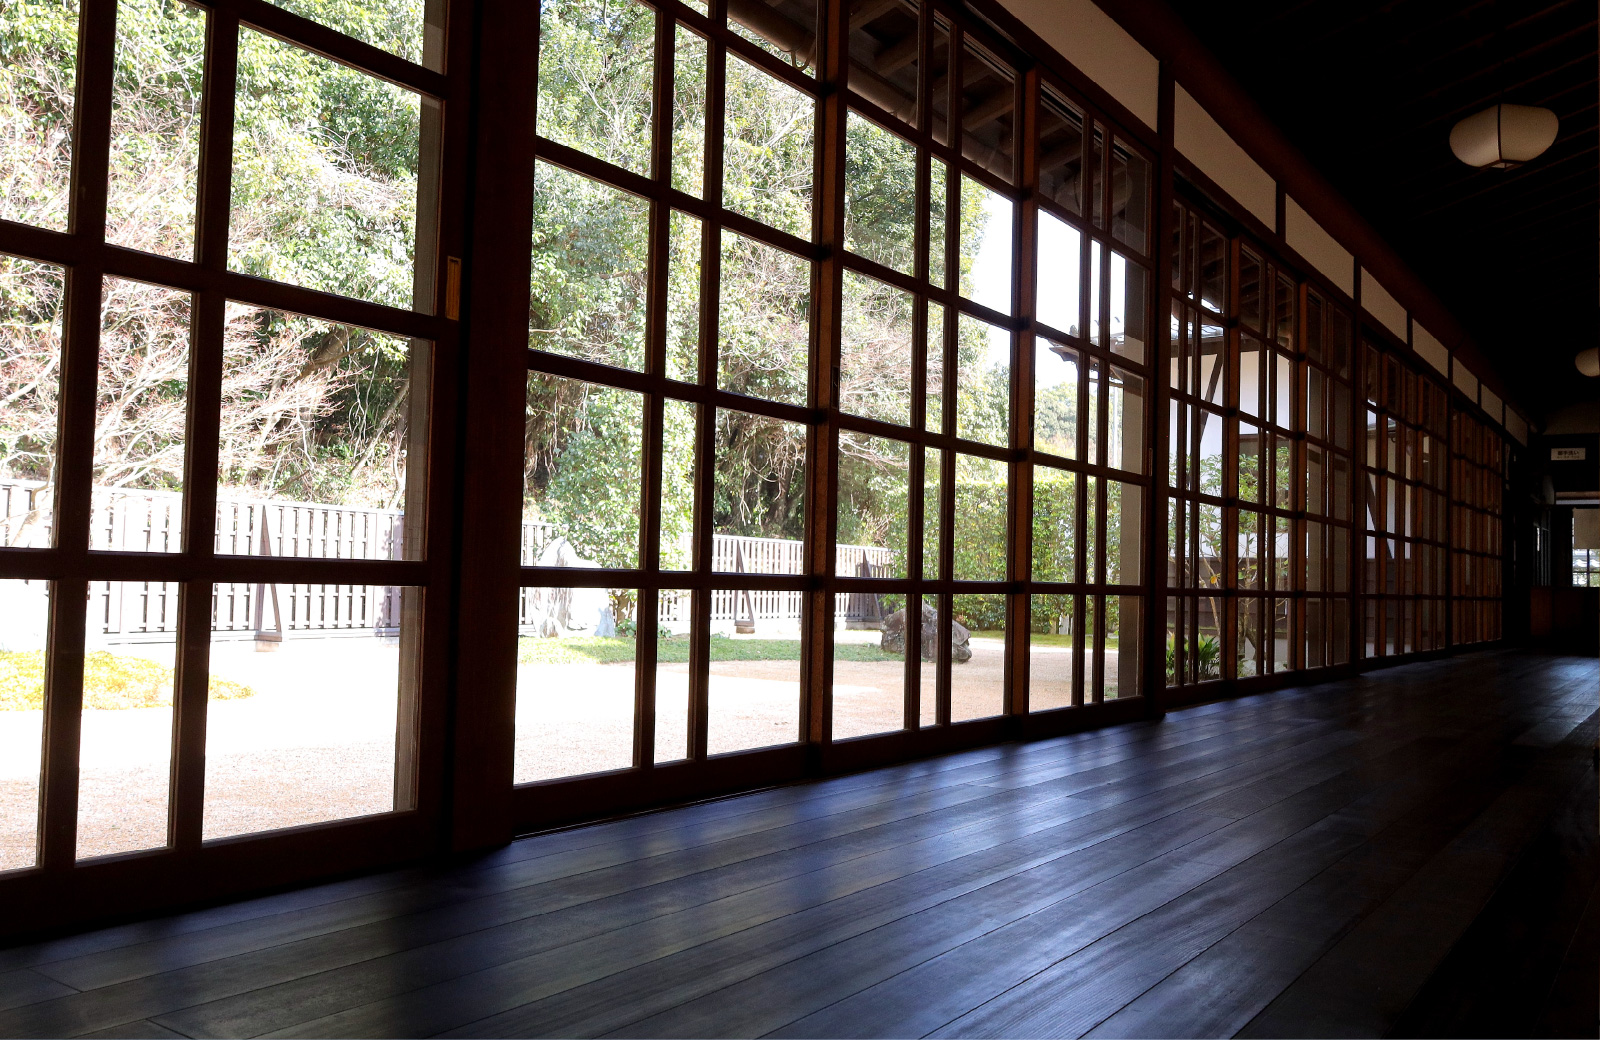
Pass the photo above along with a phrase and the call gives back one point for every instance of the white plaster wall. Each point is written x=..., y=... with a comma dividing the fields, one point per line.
x=1202, y=141
x=1099, y=47
x=1431, y=350
x=1491, y=403
x=1376, y=301
x=1312, y=241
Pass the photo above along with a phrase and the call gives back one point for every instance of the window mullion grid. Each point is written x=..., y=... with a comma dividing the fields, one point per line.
x=827, y=280
x=922, y=252
x=1024, y=304
x=73, y=508
x=947, y=458
x=705, y=413
x=647, y=611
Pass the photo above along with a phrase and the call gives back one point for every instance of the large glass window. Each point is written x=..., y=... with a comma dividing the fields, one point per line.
x=252, y=377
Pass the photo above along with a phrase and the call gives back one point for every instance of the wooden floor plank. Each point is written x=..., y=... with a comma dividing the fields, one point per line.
x=1352, y=857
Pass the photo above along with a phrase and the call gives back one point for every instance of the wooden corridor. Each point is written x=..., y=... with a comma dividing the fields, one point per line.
x=1412, y=852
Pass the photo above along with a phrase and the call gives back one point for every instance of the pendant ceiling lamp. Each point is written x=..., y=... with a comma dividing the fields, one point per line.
x=1588, y=361
x=1503, y=136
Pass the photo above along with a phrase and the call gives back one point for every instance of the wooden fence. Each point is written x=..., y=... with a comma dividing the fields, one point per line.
x=152, y=521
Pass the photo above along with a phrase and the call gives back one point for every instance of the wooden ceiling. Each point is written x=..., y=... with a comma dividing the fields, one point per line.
x=1369, y=90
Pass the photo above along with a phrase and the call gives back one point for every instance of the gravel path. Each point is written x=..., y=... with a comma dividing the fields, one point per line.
x=317, y=741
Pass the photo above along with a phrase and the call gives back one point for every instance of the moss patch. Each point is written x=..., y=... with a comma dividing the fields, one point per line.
x=110, y=681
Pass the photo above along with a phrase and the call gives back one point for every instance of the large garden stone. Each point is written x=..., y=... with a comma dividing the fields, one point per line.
x=893, y=640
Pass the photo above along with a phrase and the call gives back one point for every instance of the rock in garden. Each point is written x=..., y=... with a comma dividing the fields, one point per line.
x=893, y=640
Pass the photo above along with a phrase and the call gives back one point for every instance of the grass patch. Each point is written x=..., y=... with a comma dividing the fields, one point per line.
x=1050, y=639
x=110, y=681
x=620, y=650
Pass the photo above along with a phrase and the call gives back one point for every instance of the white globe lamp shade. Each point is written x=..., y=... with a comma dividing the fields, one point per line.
x=1588, y=361
x=1503, y=136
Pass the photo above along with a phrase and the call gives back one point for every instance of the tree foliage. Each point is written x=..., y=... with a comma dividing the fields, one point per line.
x=323, y=194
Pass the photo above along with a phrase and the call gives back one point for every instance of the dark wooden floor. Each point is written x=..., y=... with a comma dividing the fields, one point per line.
x=1409, y=853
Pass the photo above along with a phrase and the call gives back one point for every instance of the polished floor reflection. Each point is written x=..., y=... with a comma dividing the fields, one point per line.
x=1408, y=853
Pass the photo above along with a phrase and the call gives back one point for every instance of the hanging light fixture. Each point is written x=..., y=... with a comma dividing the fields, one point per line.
x=1588, y=361
x=1503, y=136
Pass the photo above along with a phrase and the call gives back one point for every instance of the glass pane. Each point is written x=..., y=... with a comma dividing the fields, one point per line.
x=1205, y=660
x=315, y=737
x=874, y=485
x=876, y=353
x=576, y=650
x=1130, y=197
x=1251, y=656
x=786, y=28
x=141, y=406
x=679, y=448
x=1283, y=304
x=1209, y=439
x=938, y=212
x=1124, y=640
x=933, y=395
x=980, y=520
x=155, y=126
x=1125, y=421
x=1055, y=533
x=591, y=244
x=1251, y=484
x=683, y=297
x=932, y=511
x=1058, y=284
x=869, y=669
x=1092, y=534
x=1208, y=560
x=31, y=296
x=1129, y=305
x=880, y=181
x=1282, y=648
x=125, y=746
x=1096, y=267
x=928, y=680
x=324, y=175
x=596, y=78
x=37, y=95
x=1060, y=151
x=884, y=44
x=1055, y=399
x=1053, y=619
x=986, y=233
x=758, y=513
x=983, y=382
x=988, y=116
x=765, y=323
x=1284, y=552
x=674, y=628
x=1211, y=361
x=767, y=150
x=582, y=472
x=25, y=613
x=1213, y=269
x=1251, y=550
x=394, y=27
x=1252, y=375
x=977, y=662
x=1283, y=387
x=1097, y=175
x=318, y=427
x=755, y=670
x=689, y=114
x=1251, y=288
x=1124, y=532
